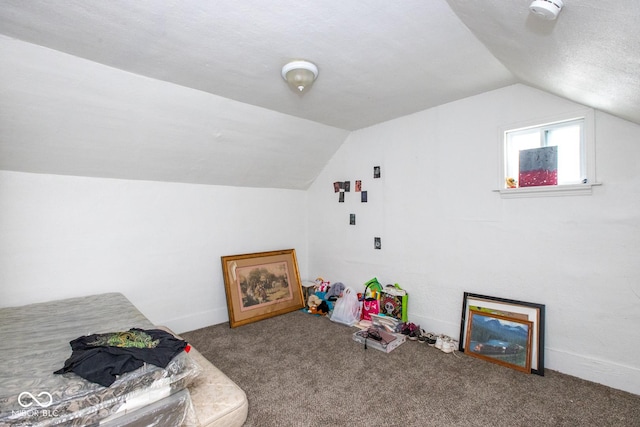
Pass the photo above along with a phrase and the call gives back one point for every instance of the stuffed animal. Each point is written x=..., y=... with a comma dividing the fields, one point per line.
x=321, y=285
x=313, y=302
x=335, y=291
x=322, y=309
x=511, y=183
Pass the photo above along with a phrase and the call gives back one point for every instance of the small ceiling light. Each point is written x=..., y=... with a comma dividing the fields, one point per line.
x=300, y=74
x=546, y=9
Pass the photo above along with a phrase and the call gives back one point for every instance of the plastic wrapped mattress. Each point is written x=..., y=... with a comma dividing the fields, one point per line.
x=34, y=342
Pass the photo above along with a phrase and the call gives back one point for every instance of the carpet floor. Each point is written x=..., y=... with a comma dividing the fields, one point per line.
x=301, y=370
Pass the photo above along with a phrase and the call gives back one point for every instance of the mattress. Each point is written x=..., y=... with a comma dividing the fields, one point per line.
x=34, y=342
x=174, y=410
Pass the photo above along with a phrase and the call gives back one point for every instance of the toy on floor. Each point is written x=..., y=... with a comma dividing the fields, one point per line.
x=322, y=309
x=313, y=301
x=335, y=291
x=321, y=285
x=317, y=306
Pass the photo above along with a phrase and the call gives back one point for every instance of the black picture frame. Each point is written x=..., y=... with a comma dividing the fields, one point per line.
x=508, y=308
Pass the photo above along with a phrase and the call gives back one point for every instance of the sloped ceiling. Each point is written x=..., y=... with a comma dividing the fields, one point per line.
x=590, y=54
x=190, y=91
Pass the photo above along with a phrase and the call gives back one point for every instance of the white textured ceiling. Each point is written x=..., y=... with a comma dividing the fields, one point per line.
x=378, y=60
x=590, y=54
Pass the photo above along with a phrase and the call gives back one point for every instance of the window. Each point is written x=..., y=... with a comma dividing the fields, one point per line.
x=555, y=157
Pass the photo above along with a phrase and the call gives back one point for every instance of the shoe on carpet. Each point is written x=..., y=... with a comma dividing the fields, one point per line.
x=411, y=330
x=430, y=339
x=449, y=346
x=440, y=339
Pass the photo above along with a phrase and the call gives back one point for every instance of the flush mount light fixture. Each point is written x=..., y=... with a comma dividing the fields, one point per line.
x=546, y=9
x=300, y=74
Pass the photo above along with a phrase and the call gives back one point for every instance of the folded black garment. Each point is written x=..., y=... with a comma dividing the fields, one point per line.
x=99, y=358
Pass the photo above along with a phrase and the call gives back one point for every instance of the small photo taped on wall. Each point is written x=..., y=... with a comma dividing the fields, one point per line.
x=363, y=197
x=376, y=172
x=352, y=219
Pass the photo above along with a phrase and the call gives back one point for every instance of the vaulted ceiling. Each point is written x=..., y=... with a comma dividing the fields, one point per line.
x=190, y=91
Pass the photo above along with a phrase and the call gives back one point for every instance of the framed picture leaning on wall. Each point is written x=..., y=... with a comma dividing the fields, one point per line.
x=261, y=285
x=499, y=339
x=513, y=309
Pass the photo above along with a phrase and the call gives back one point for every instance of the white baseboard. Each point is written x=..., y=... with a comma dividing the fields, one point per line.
x=437, y=326
x=197, y=320
x=605, y=372
x=611, y=374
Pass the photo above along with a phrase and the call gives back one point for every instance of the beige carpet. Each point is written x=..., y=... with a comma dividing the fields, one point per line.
x=302, y=370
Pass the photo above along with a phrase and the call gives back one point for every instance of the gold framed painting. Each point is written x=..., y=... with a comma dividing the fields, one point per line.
x=261, y=285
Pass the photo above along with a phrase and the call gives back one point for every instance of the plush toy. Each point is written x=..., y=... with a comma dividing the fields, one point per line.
x=322, y=309
x=321, y=285
x=511, y=183
x=317, y=306
x=335, y=291
x=313, y=302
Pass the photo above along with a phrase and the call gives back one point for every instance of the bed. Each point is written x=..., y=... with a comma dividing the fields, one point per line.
x=34, y=342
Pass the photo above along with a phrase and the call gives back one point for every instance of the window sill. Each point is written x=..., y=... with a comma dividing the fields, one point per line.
x=548, y=191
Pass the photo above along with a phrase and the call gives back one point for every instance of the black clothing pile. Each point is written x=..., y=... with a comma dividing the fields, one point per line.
x=99, y=358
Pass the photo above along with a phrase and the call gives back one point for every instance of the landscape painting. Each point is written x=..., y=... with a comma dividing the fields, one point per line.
x=261, y=285
x=499, y=339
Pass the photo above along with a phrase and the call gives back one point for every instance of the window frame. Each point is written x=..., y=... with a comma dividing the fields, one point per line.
x=588, y=155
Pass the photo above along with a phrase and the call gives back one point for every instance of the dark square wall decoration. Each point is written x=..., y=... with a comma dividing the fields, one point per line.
x=377, y=243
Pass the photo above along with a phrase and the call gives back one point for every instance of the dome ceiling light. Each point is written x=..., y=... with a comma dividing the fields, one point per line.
x=300, y=74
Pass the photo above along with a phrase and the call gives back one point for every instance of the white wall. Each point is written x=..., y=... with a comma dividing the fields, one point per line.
x=158, y=243
x=444, y=231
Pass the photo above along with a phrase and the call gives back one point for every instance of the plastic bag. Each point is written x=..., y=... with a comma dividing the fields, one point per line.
x=347, y=308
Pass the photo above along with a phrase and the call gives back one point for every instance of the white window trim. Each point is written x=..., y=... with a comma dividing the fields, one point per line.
x=552, y=190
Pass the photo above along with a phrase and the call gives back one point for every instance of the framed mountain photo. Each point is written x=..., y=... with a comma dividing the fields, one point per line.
x=499, y=339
